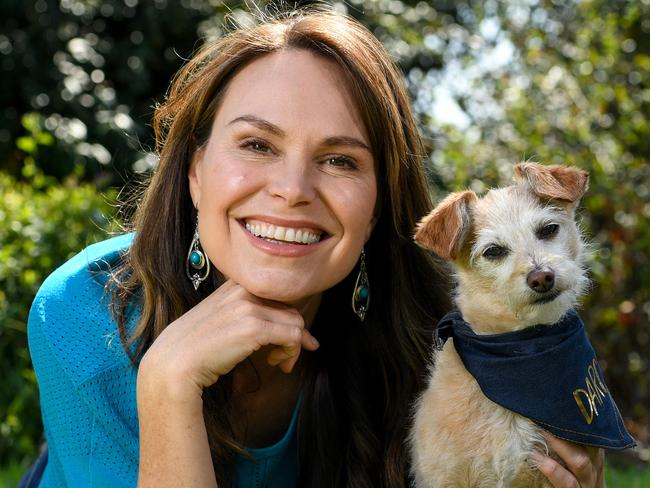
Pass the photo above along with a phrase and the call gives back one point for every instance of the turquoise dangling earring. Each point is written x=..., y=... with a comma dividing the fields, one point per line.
x=196, y=259
x=361, y=295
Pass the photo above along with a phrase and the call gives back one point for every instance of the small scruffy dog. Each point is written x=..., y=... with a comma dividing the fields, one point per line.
x=518, y=261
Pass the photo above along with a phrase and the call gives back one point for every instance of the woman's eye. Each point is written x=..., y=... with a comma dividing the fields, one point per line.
x=495, y=252
x=257, y=146
x=341, y=162
x=547, y=231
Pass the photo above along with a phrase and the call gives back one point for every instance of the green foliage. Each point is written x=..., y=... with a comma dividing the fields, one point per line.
x=627, y=478
x=93, y=70
x=11, y=474
x=42, y=225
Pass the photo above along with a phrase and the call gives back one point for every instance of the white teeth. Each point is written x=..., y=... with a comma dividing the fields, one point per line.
x=286, y=234
x=309, y=238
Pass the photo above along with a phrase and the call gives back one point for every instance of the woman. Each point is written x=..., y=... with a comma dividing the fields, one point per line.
x=274, y=313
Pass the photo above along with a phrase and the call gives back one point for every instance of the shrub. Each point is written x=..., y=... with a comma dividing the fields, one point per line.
x=41, y=225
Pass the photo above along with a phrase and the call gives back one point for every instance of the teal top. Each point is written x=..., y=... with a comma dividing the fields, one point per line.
x=88, y=386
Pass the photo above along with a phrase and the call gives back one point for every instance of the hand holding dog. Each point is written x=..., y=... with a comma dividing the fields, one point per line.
x=584, y=466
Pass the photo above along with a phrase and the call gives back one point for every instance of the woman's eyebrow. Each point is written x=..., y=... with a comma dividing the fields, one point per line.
x=267, y=126
x=345, y=141
x=259, y=123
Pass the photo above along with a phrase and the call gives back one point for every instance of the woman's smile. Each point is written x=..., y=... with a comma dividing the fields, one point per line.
x=286, y=231
x=290, y=240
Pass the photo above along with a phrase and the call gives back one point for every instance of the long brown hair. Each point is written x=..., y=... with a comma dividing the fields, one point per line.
x=360, y=383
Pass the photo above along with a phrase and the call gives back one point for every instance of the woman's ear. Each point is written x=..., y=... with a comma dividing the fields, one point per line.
x=194, y=177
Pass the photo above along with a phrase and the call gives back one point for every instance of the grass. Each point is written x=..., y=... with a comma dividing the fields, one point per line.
x=616, y=477
x=627, y=478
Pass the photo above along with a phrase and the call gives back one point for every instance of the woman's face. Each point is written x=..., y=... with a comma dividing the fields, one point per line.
x=285, y=186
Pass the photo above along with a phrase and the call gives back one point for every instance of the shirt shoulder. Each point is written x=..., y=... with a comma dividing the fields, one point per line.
x=71, y=313
x=85, y=265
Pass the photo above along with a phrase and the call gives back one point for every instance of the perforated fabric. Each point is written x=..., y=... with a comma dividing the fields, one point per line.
x=87, y=385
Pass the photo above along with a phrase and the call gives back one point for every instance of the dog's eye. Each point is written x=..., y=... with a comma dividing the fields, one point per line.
x=547, y=231
x=495, y=252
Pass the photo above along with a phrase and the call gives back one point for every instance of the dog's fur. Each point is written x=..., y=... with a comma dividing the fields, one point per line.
x=459, y=438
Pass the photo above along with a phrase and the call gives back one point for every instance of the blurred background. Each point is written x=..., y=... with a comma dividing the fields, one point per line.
x=493, y=82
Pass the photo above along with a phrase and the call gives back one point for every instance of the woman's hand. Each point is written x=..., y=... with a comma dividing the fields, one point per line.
x=191, y=354
x=584, y=466
x=217, y=334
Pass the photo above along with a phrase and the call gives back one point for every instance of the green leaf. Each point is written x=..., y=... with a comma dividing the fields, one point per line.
x=26, y=144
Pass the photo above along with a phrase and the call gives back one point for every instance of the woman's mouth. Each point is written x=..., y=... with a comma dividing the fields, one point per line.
x=283, y=235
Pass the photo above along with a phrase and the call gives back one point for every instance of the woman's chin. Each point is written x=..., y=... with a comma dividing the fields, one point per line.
x=281, y=284
x=292, y=294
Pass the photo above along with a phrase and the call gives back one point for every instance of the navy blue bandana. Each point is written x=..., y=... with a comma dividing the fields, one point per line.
x=546, y=373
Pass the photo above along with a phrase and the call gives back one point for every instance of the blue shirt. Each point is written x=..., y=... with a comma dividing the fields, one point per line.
x=88, y=386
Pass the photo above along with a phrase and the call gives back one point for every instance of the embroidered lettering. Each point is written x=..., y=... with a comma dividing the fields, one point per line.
x=594, y=393
x=588, y=415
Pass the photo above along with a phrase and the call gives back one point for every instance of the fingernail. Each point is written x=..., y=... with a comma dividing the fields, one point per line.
x=316, y=343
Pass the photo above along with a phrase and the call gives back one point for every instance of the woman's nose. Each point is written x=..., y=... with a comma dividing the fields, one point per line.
x=292, y=181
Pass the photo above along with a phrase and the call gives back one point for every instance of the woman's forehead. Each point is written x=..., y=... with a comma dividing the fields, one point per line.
x=295, y=90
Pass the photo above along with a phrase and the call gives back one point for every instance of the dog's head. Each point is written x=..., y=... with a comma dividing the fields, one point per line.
x=517, y=251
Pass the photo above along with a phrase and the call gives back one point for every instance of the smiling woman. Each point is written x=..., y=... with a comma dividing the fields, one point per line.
x=289, y=183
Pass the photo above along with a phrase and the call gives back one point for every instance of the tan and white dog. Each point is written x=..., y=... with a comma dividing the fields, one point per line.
x=517, y=256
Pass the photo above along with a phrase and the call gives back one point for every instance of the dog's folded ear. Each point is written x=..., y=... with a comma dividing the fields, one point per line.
x=565, y=183
x=443, y=231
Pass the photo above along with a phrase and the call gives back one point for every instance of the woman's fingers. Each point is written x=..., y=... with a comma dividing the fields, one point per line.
x=217, y=334
x=559, y=476
x=286, y=356
x=280, y=320
x=308, y=342
x=584, y=465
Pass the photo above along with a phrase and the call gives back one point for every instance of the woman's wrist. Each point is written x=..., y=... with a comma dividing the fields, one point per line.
x=163, y=381
x=174, y=447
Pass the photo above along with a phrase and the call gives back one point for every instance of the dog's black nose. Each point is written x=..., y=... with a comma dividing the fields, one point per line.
x=541, y=281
